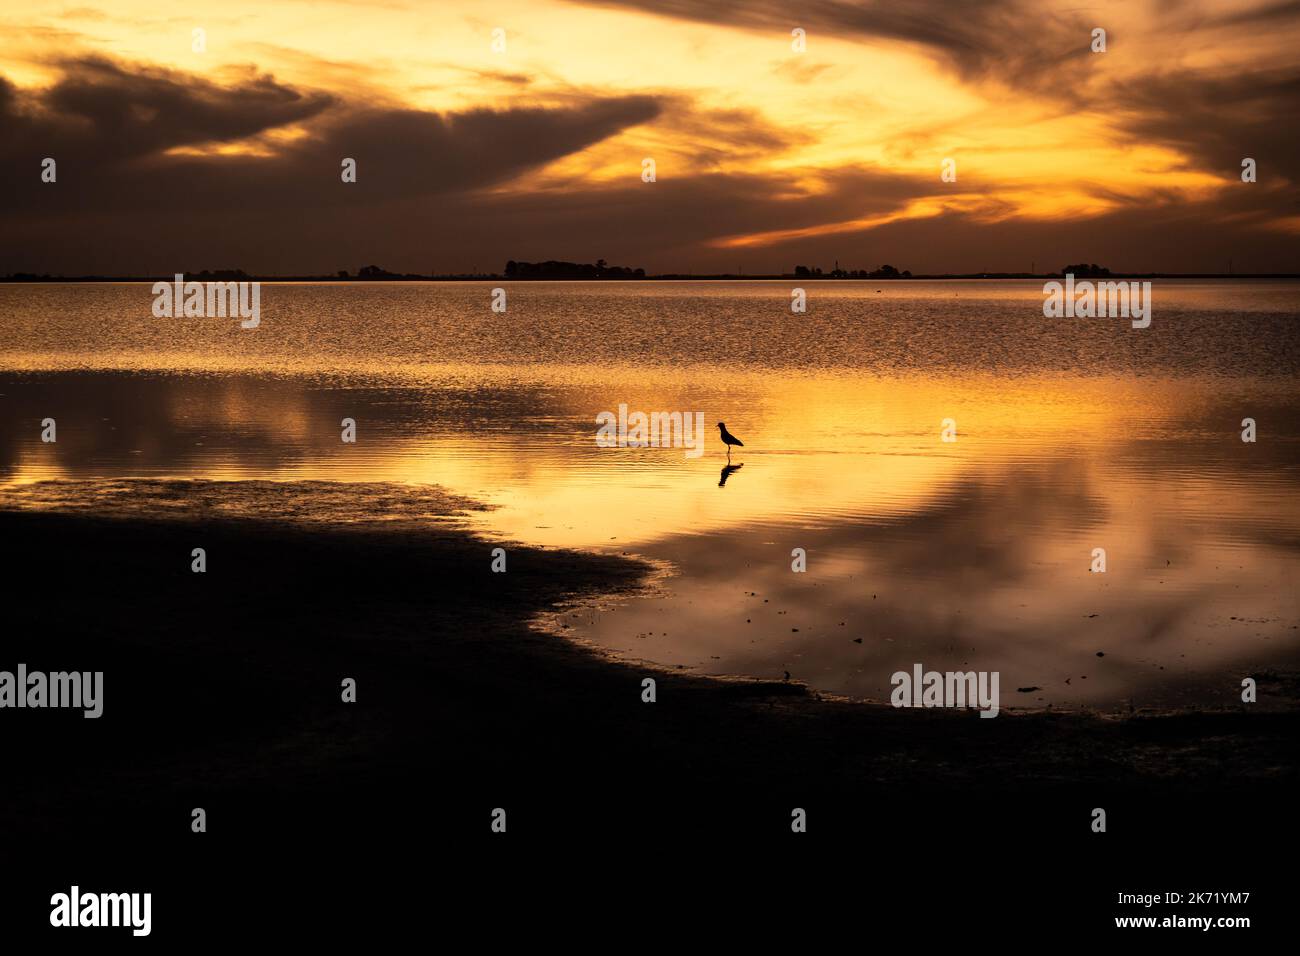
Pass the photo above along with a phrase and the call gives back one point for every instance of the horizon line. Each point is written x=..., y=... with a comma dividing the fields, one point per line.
x=237, y=275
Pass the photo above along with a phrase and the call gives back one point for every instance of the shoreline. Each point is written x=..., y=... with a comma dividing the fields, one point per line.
x=245, y=661
x=549, y=621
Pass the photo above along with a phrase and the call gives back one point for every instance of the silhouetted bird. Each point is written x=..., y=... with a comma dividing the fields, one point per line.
x=729, y=439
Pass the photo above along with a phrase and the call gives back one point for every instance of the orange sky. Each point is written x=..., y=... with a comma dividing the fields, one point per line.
x=766, y=156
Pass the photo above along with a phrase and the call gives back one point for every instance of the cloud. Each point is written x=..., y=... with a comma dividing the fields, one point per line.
x=1217, y=119
x=163, y=171
x=1270, y=14
x=99, y=110
x=1016, y=39
x=127, y=140
x=711, y=138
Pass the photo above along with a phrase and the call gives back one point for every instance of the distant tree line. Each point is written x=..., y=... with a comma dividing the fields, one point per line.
x=219, y=275
x=1086, y=269
x=570, y=270
x=373, y=273
x=884, y=272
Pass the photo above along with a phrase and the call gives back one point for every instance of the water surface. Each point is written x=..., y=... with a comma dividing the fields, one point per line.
x=1071, y=435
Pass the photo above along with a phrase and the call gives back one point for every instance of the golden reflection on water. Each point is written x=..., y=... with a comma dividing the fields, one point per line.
x=973, y=553
x=818, y=448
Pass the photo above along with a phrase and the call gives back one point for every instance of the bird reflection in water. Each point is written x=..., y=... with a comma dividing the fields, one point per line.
x=726, y=472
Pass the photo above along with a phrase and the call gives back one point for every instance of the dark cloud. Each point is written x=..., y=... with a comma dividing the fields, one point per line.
x=1217, y=119
x=1286, y=12
x=100, y=109
x=712, y=137
x=113, y=132
x=974, y=37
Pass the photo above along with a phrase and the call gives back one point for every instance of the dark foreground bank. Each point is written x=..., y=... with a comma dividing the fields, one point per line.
x=222, y=691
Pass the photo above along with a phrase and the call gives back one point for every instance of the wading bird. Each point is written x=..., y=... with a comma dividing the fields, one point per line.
x=729, y=439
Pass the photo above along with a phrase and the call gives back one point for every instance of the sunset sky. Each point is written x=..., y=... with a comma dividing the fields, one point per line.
x=174, y=160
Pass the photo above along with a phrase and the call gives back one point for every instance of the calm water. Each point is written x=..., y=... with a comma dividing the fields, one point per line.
x=1073, y=434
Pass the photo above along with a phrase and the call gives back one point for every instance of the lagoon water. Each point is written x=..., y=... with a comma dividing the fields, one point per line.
x=1072, y=434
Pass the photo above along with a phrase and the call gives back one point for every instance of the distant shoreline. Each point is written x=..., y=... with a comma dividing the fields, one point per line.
x=23, y=278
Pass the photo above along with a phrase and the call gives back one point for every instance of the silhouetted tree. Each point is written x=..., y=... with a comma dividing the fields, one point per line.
x=569, y=270
x=1085, y=269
